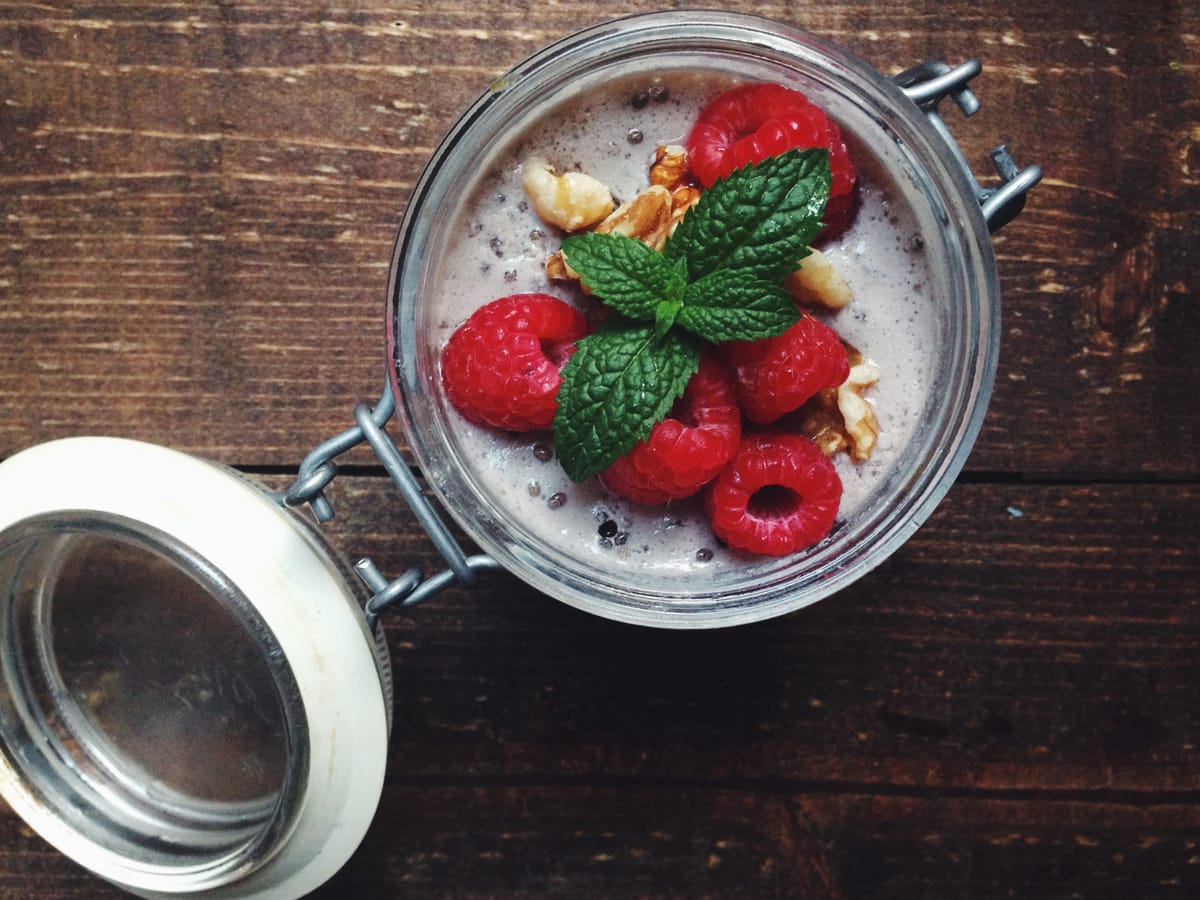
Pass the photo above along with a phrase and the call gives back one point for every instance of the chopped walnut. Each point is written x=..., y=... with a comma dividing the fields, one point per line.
x=645, y=217
x=821, y=423
x=571, y=201
x=682, y=199
x=558, y=270
x=818, y=282
x=670, y=167
x=841, y=418
x=670, y=170
x=858, y=414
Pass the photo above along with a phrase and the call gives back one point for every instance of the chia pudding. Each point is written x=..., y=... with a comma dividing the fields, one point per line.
x=497, y=246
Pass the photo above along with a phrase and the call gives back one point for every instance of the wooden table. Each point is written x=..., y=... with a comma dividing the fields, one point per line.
x=197, y=205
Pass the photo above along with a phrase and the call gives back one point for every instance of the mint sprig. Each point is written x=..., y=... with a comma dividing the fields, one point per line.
x=718, y=278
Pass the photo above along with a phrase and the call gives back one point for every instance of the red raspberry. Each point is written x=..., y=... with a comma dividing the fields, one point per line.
x=751, y=122
x=686, y=450
x=776, y=375
x=501, y=366
x=779, y=494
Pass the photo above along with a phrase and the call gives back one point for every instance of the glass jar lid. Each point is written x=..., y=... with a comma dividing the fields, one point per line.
x=191, y=701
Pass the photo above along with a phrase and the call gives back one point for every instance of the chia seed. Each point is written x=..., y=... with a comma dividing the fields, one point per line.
x=557, y=500
x=611, y=534
x=635, y=136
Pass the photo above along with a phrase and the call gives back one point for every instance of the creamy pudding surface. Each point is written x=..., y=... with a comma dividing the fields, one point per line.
x=499, y=246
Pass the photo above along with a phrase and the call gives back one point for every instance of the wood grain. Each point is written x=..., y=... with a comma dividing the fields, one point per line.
x=188, y=165
x=197, y=208
x=991, y=710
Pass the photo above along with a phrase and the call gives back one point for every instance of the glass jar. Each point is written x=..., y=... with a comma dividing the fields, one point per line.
x=480, y=480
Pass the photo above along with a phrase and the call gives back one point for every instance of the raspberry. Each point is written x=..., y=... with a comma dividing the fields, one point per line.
x=777, y=375
x=751, y=122
x=501, y=366
x=685, y=450
x=779, y=494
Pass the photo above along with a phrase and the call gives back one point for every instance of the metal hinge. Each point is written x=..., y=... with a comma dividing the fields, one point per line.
x=931, y=82
x=319, y=468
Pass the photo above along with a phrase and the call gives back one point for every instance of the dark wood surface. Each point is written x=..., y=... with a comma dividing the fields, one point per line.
x=197, y=204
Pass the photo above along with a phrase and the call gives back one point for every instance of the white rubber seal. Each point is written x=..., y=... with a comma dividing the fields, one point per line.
x=300, y=595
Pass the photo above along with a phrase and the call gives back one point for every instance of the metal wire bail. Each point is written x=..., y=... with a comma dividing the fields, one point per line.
x=319, y=468
x=931, y=82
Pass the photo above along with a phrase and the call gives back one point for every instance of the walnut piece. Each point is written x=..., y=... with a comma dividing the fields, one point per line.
x=682, y=199
x=558, y=270
x=645, y=217
x=570, y=201
x=842, y=418
x=817, y=282
x=858, y=415
x=670, y=167
x=670, y=170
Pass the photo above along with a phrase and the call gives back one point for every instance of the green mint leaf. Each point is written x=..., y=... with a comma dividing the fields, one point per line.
x=623, y=272
x=759, y=220
x=733, y=306
x=620, y=381
x=665, y=316
x=678, y=282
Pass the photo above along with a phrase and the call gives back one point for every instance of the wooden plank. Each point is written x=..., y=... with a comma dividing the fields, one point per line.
x=671, y=840
x=678, y=841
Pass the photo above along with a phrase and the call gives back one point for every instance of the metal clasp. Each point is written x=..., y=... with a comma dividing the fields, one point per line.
x=318, y=470
x=927, y=85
